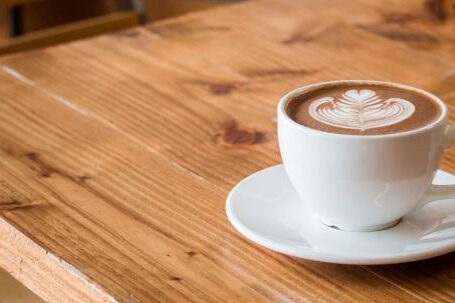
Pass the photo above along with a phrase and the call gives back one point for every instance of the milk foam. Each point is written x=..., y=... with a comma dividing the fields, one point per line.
x=360, y=109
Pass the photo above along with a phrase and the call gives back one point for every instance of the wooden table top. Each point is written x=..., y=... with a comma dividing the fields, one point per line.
x=117, y=153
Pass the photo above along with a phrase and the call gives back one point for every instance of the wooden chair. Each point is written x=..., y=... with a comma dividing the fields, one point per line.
x=115, y=15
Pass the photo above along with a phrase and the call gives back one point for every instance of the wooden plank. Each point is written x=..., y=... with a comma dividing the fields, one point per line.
x=109, y=208
x=334, y=44
x=67, y=32
x=409, y=23
x=215, y=131
x=302, y=31
x=243, y=82
x=44, y=273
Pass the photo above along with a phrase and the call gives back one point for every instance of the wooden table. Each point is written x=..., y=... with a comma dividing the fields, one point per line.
x=117, y=153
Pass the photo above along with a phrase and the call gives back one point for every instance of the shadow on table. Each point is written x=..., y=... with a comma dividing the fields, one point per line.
x=430, y=269
x=429, y=278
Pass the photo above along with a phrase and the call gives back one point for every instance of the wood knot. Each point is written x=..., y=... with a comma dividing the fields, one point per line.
x=222, y=88
x=441, y=9
x=190, y=253
x=236, y=136
x=31, y=156
x=400, y=18
x=218, y=88
x=83, y=178
x=414, y=38
x=36, y=164
x=297, y=38
x=417, y=39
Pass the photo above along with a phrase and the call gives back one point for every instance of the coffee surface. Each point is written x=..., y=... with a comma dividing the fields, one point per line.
x=363, y=109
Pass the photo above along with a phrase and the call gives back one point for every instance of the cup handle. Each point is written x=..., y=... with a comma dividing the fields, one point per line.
x=442, y=192
x=449, y=136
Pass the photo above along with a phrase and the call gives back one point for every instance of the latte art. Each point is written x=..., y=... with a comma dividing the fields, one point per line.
x=360, y=109
x=363, y=109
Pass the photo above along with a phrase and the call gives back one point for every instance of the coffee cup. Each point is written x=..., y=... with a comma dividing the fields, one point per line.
x=363, y=172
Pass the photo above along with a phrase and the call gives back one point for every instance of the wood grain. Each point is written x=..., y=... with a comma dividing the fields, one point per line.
x=117, y=152
x=27, y=261
x=135, y=233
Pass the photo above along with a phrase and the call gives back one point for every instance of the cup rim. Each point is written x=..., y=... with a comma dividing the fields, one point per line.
x=307, y=88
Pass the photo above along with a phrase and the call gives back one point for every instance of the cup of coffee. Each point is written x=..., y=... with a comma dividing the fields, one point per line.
x=362, y=154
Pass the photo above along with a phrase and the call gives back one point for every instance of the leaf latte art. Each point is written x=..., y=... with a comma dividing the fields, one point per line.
x=360, y=110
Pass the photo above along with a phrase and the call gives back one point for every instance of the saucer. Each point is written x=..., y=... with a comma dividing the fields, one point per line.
x=265, y=208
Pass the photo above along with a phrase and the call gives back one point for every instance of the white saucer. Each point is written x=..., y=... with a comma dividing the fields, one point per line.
x=265, y=208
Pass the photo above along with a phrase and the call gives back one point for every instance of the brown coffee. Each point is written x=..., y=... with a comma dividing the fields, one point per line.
x=363, y=109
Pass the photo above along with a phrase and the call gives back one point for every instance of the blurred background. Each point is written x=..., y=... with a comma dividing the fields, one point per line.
x=11, y=291
x=29, y=24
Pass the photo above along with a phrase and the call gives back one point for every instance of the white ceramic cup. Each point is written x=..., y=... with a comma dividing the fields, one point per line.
x=363, y=183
